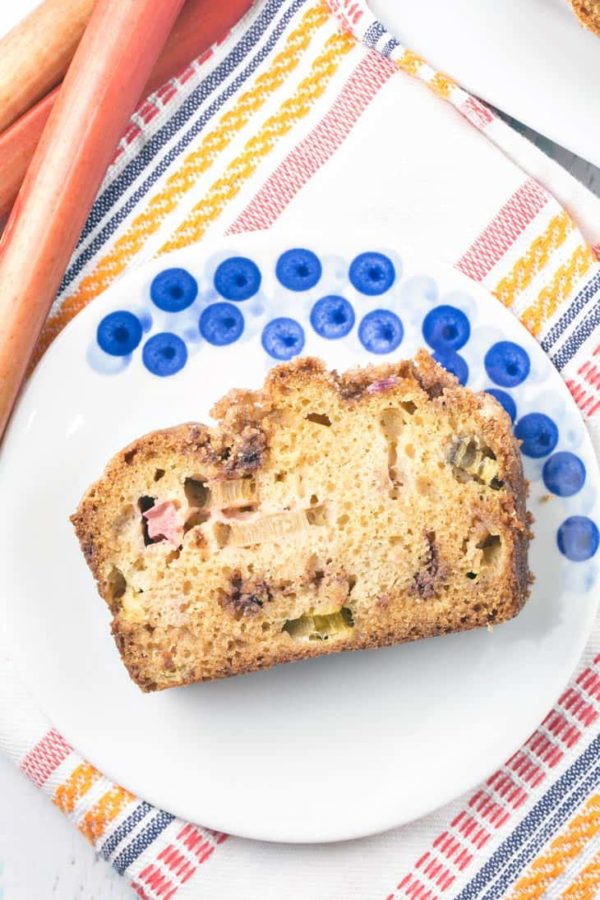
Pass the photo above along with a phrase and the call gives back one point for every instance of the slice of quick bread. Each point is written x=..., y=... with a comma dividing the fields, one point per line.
x=588, y=12
x=324, y=512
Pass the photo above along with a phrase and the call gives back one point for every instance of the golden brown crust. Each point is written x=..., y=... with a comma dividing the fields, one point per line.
x=324, y=513
x=588, y=12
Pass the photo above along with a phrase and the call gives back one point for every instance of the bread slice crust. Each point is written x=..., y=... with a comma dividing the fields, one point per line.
x=322, y=513
x=588, y=12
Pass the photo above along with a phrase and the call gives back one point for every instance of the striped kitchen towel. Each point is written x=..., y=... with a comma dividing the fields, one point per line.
x=314, y=112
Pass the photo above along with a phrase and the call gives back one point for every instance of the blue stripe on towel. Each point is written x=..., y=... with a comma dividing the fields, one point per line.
x=186, y=113
x=539, y=825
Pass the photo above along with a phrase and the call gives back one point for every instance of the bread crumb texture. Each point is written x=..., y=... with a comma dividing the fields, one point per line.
x=588, y=12
x=323, y=513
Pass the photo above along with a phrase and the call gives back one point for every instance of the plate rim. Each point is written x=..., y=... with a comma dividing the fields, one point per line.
x=395, y=819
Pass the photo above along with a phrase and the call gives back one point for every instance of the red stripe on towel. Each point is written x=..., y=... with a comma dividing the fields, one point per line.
x=504, y=229
x=45, y=758
x=317, y=148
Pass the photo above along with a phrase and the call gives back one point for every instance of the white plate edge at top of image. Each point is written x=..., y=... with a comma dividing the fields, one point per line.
x=530, y=58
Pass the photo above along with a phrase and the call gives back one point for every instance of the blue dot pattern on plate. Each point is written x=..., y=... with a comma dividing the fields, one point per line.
x=454, y=364
x=446, y=328
x=237, y=278
x=283, y=338
x=578, y=538
x=164, y=354
x=564, y=474
x=504, y=400
x=372, y=273
x=507, y=364
x=298, y=269
x=221, y=324
x=332, y=317
x=538, y=433
x=119, y=333
x=380, y=331
x=173, y=290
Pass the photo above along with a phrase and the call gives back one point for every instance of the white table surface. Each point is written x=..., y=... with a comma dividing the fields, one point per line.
x=65, y=866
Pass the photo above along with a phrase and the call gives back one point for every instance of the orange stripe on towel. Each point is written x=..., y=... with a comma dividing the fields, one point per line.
x=566, y=847
x=68, y=795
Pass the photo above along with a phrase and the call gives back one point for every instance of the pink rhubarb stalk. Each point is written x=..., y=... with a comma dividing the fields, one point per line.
x=36, y=53
x=102, y=87
x=17, y=146
x=200, y=24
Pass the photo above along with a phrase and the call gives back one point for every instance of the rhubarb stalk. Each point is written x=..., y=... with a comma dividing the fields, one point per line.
x=105, y=80
x=35, y=55
x=201, y=23
x=17, y=146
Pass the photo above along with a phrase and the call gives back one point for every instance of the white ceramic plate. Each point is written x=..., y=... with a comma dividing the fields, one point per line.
x=335, y=748
x=530, y=58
